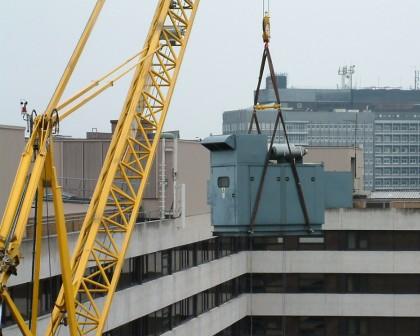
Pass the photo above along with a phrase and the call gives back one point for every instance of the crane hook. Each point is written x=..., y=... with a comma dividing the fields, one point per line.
x=266, y=28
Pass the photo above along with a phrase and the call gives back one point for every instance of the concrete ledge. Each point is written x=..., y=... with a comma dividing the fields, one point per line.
x=379, y=305
x=382, y=262
x=372, y=219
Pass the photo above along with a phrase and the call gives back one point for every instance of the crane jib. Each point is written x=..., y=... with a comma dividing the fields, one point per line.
x=95, y=267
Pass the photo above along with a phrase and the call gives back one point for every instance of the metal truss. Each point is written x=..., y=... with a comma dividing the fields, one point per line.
x=90, y=278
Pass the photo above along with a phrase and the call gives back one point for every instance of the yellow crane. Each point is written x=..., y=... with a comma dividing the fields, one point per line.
x=95, y=266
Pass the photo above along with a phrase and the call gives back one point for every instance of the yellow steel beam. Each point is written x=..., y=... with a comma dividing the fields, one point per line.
x=65, y=78
x=261, y=107
x=37, y=259
x=104, y=237
x=16, y=313
x=105, y=86
x=62, y=243
x=97, y=82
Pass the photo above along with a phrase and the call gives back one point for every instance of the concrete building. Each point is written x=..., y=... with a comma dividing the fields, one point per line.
x=12, y=142
x=361, y=277
x=378, y=99
x=343, y=159
x=320, y=117
x=397, y=151
x=318, y=129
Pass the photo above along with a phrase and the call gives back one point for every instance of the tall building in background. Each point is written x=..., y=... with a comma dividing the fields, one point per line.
x=383, y=122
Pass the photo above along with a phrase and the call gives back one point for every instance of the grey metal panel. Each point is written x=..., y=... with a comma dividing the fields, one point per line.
x=12, y=142
x=338, y=190
x=221, y=142
x=73, y=167
x=92, y=164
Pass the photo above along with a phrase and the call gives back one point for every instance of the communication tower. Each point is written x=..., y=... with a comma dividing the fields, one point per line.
x=346, y=73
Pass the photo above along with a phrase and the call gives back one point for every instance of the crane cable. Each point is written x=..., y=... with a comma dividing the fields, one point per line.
x=266, y=58
x=266, y=8
x=279, y=118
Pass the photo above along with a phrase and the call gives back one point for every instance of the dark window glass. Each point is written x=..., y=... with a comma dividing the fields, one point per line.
x=223, y=182
x=311, y=326
x=311, y=283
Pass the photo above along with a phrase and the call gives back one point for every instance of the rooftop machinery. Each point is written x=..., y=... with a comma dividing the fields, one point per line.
x=94, y=269
x=237, y=163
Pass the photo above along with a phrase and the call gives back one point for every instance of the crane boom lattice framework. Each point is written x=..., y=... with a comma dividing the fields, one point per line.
x=90, y=277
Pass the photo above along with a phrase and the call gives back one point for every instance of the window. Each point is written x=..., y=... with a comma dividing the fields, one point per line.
x=357, y=327
x=357, y=240
x=311, y=326
x=356, y=283
x=311, y=283
x=223, y=181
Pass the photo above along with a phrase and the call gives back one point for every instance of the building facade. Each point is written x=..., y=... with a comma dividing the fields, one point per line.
x=320, y=117
x=315, y=129
x=397, y=151
x=360, y=277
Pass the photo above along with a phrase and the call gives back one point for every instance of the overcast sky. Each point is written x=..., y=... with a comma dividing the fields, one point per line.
x=310, y=40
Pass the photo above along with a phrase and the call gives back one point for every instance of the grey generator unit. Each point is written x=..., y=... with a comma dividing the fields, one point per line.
x=237, y=163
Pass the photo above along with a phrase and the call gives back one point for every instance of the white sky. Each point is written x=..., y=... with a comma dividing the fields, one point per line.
x=311, y=39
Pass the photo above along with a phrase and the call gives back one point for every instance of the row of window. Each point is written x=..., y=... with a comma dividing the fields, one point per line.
x=413, y=138
x=154, y=265
x=348, y=125
x=400, y=126
x=403, y=160
x=334, y=283
x=397, y=149
x=397, y=171
x=402, y=183
x=172, y=316
x=324, y=326
x=344, y=241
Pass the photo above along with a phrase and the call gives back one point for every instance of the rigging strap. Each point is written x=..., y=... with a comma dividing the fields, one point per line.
x=279, y=118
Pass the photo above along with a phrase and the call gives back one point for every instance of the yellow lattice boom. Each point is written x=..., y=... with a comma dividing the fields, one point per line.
x=91, y=277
